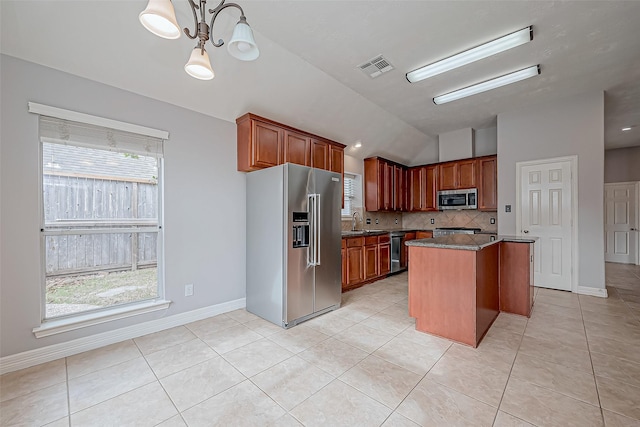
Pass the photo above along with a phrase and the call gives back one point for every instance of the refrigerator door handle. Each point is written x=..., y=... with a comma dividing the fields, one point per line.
x=311, y=249
x=316, y=226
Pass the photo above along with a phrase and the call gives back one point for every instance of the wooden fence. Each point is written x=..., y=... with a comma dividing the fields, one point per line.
x=81, y=209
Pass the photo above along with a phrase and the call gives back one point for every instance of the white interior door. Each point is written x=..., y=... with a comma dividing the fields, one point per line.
x=621, y=240
x=546, y=212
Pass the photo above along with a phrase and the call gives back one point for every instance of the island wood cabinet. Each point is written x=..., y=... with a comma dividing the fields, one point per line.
x=457, y=175
x=263, y=143
x=422, y=190
x=385, y=185
x=365, y=259
x=487, y=180
x=516, y=277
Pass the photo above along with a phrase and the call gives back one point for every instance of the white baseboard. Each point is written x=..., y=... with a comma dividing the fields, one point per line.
x=595, y=292
x=37, y=356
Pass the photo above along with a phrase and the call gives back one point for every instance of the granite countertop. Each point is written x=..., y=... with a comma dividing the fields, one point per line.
x=369, y=232
x=468, y=242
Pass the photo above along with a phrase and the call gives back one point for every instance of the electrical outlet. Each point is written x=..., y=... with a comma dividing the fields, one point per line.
x=507, y=208
x=433, y=221
x=377, y=222
x=492, y=220
x=396, y=220
x=368, y=221
x=188, y=290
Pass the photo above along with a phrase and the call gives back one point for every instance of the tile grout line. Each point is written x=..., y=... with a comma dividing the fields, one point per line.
x=159, y=383
x=584, y=327
x=511, y=370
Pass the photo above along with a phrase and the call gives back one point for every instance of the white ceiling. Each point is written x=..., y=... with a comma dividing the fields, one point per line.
x=307, y=72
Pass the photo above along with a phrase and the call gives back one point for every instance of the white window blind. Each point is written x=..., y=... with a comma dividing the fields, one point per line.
x=67, y=132
x=349, y=194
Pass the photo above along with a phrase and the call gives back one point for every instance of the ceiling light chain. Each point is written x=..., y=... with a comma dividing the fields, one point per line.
x=159, y=17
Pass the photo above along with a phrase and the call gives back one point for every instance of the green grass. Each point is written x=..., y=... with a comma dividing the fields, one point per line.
x=103, y=289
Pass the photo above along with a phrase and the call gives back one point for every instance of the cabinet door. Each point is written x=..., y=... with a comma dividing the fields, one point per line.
x=447, y=176
x=417, y=183
x=297, y=148
x=267, y=145
x=431, y=190
x=355, y=271
x=373, y=191
x=319, y=154
x=336, y=159
x=487, y=184
x=343, y=252
x=399, y=188
x=467, y=174
x=384, y=258
x=387, y=193
x=370, y=261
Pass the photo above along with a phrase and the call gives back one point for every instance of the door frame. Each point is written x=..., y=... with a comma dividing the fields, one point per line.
x=573, y=163
x=636, y=190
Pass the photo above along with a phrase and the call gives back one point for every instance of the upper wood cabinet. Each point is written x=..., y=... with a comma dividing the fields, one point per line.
x=487, y=171
x=319, y=153
x=297, y=148
x=384, y=185
x=336, y=159
x=422, y=188
x=447, y=176
x=263, y=143
x=458, y=174
x=466, y=173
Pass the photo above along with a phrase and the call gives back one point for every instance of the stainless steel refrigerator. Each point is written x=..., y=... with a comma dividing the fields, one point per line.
x=293, y=243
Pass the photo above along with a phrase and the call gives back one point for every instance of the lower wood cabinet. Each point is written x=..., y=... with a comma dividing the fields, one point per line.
x=516, y=277
x=364, y=259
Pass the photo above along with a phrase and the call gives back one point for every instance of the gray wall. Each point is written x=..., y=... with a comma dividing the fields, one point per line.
x=622, y=165
x=572, y=126
x=457, y=144
x=486, y=142
x=204, y=199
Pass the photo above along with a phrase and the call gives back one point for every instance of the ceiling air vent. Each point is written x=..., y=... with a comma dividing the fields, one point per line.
x=376, y=67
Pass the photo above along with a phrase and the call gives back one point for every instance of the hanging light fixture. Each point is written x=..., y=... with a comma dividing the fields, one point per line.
x=160, y=18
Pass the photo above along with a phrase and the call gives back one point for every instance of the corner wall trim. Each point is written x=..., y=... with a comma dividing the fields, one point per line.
x=595, y=292
x=37, y=356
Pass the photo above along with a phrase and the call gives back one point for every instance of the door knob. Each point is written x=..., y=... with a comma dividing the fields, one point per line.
x=525, y=231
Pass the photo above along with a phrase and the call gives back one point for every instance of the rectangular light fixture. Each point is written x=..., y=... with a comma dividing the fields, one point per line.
x=509, y=41
x=488, y=85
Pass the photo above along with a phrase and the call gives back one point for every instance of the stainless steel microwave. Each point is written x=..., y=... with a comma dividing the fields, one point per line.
x=458, y=199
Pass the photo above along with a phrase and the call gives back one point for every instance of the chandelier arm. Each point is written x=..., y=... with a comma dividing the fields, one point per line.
x=215, y=12
x=195, y=21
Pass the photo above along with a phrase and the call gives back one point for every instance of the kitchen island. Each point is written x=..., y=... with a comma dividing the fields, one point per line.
x=459, y=283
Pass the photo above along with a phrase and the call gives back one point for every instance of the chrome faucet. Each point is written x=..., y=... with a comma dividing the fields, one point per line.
x=354, y=224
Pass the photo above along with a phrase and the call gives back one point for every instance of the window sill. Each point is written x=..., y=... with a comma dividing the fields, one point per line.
x=53, y=327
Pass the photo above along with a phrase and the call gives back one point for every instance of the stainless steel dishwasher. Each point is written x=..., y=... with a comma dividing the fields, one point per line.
x=396, y=250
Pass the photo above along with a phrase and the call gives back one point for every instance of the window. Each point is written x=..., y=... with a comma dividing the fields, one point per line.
x=102, y=217
x=351, y=193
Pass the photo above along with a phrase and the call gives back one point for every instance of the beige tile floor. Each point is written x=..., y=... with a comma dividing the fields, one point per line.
x=575, y=362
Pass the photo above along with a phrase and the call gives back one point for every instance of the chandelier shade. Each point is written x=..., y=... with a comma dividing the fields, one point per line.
x=160, y=18
x=242, y=45
x=199, y=65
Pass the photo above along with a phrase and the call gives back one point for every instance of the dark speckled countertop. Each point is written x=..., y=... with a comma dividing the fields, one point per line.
x=468, y=242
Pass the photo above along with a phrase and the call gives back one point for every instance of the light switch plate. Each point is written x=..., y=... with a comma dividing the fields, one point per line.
x=507, y=208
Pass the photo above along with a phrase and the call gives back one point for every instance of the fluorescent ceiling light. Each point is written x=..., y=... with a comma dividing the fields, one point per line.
x=358, y=144
x=625, y=129
x=468, y=56
x=488, y=85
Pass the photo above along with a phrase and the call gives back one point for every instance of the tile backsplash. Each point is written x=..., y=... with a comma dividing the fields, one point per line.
x=422, y=220
x=467, y=218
